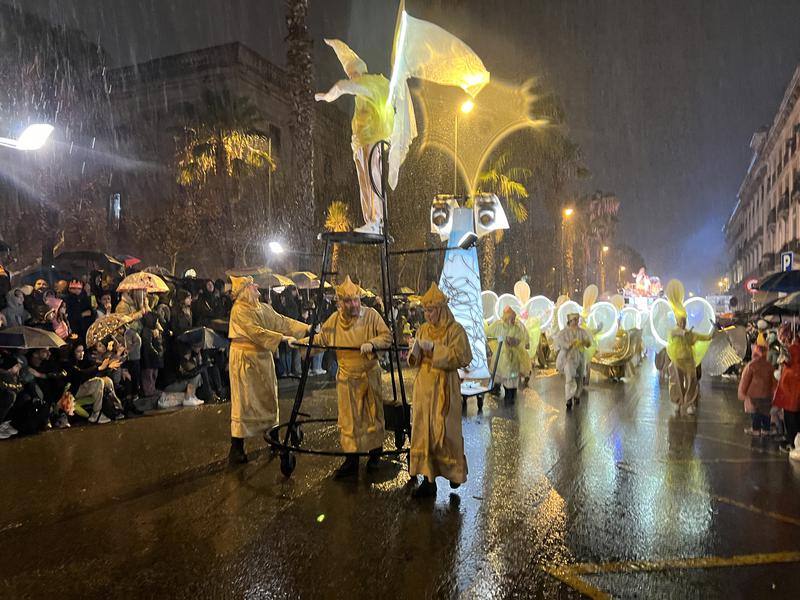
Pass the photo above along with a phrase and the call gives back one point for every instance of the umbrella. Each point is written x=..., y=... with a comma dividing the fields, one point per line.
x=129, y=260
x=49, y=275
x=790, y=303
x=28, y=338
x=406, y=291
x=160, y=271
x=204, y=337
x=104, y=327
x=84, y=260
x=304, y=280
x=263, y=276
x=784, y=281
x=143, y=281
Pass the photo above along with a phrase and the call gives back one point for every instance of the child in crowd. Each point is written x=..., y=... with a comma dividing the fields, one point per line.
x=755, y=390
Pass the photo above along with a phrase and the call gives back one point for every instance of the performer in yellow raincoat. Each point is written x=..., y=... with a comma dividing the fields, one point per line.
x=514, y=362
x=684, y=389
x=440, y=349
x=255, y=331
x=358, y=381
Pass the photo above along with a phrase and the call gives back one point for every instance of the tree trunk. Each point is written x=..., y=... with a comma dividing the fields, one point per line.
x=301, y=73
x=488, y=262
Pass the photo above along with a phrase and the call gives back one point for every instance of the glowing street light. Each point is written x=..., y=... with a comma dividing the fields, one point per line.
x=467, y=106
x=276, y=248
x=568, y=212
x=34, y=137
x=605, y=249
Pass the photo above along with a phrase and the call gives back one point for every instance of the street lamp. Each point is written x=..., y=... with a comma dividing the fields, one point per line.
x=619, y=274
x=32, y=138
x=604, y=251
x=566, y=214
x=466, y=108
x=276, y=248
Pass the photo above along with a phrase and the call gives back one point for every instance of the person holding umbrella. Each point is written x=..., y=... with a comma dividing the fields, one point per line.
x=255, y=331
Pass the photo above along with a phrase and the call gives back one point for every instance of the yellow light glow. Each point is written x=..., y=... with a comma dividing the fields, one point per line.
x=605, y=248
x=320, y=518
x=568, y=212
x=467, y=106
x=622, y=268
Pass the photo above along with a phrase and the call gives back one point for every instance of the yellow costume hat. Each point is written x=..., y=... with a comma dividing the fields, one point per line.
x=238, y=284
x=434, y=297
x=675, y=294
x=348, y=289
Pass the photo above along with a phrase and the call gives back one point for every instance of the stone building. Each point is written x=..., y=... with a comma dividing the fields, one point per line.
x=766, y=219
x=147, y=103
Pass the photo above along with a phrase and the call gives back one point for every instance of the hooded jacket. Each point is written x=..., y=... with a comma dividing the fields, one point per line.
x=14, y=313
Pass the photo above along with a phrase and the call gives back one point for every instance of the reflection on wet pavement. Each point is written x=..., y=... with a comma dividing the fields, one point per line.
x=619, y=498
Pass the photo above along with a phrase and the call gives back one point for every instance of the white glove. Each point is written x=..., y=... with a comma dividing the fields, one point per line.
x=415, y=349
x=367, y=348
x=425, y=345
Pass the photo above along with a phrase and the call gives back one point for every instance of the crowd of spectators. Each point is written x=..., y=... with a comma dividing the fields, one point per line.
x=155, y=362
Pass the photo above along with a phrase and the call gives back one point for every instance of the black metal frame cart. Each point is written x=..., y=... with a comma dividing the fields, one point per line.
x=292, y=438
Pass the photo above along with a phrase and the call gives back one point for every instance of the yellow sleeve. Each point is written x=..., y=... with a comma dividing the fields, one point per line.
x=454, y=352
x=246, y=322
x=382, y=338
x=325, y=337
x=283, y=324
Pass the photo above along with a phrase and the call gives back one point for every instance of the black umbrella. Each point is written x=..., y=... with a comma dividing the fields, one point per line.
x=204, y=337
x=81, y=261
x=784, y=281
x=49, y=275
x=28, y=338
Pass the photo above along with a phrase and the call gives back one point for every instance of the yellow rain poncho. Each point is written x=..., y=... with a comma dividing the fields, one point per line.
x=685, y=349
x=514, y=361
x=255, y=330
x=358, y=381
x=437, y=445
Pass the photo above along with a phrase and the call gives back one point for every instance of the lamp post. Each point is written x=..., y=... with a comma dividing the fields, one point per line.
x=620, y=271
x=32, y=138
x=565, y=217
x=465, y=108
x=603, y=251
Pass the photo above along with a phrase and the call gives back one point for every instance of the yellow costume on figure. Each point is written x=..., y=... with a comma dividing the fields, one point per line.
x=440, y=349
x=358, y=381
x=255, y=330
x=514, y=361
x=685, y=349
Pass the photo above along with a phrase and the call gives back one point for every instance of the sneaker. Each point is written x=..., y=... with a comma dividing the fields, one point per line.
x=193, y=401
x=691, y=410
x=6, y=430
x=63, y=422
x=99, y=419
x=169, y=400
x=751, y=431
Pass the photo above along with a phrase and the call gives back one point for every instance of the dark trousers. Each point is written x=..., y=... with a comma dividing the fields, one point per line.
x=761, y=422
x=135, y=369
x=792, y=420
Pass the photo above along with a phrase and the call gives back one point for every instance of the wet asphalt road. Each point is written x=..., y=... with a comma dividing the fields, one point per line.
x=617, y=498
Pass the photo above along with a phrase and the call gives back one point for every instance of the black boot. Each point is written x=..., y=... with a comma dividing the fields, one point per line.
x=569, y=404
x=374, y=462
x=349, y=467
x=237, y=456
x=426, y=489
x=130, y=407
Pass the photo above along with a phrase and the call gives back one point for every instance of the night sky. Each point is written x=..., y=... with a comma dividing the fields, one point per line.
x=662, y=96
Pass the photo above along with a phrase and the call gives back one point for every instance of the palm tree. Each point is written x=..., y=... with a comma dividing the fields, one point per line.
x=508, y=184
x=223, y=138
x=300, y=66
x=223, y=145
x=337, y=220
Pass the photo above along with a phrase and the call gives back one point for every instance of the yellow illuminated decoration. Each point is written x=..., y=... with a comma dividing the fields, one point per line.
x=500, y=110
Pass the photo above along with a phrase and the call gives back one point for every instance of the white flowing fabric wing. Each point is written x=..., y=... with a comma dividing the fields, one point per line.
x=489, y=302
x=425, y=51
x=542, y=308
x=350, y=61
x=605, y=316
x=570, y=306
x=662, y=320
x=630, y=318
x=720, y=356
x=507, y=300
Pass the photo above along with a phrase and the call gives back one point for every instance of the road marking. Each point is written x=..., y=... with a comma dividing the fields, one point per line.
x=752, y=508
x=572, y=574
